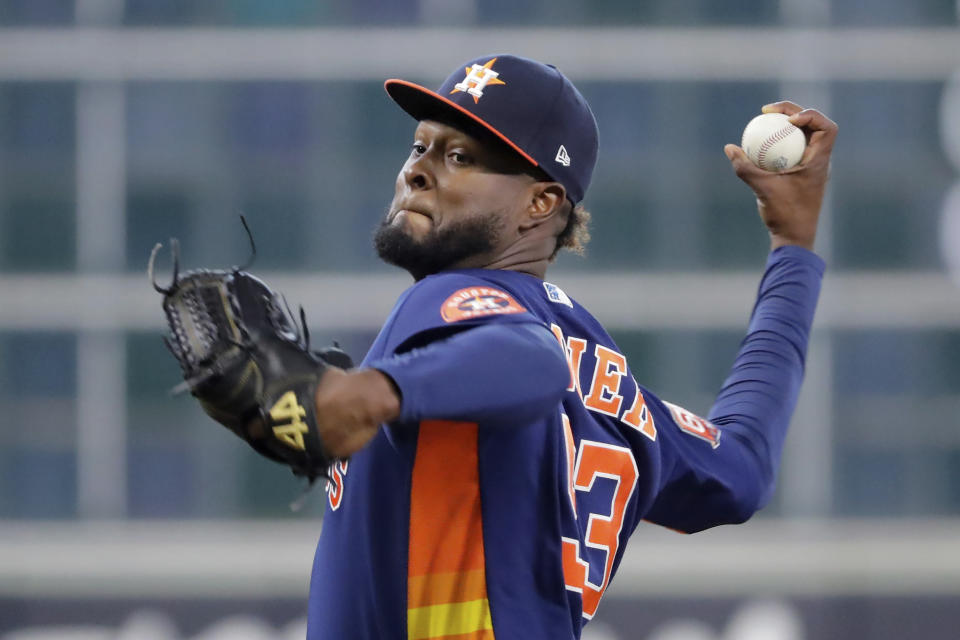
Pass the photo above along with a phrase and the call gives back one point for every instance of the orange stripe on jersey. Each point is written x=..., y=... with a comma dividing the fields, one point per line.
x=445, y=525
x=558, y=333
x=575, y=349
x=446, y=579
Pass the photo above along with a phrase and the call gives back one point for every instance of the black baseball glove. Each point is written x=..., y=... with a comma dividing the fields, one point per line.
x=244, y=358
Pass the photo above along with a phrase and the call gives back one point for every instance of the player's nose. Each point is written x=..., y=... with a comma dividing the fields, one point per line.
x=417, y=174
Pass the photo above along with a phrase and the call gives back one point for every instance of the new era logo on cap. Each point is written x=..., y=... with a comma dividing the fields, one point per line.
x=530, y=106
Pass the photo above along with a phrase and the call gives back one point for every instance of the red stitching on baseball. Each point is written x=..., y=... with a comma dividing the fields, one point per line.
x=772, y=140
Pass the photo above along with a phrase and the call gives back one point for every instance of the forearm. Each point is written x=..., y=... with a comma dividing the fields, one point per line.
x=759, y=396
x=350, y=406
x=498, y=374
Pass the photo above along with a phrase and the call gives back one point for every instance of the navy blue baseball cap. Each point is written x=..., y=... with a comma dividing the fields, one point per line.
x=528, y=105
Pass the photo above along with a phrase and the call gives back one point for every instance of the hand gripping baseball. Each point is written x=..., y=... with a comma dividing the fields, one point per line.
x=247, y=362
x=789, y=201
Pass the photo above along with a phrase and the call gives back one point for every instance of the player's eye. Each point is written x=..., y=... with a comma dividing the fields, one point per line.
x=458, y=157
x=418, y=149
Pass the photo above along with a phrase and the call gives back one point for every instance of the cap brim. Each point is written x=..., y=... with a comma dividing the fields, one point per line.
x=424, y=104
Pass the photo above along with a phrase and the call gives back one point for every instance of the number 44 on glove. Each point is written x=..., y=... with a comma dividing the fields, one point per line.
x=244, y=358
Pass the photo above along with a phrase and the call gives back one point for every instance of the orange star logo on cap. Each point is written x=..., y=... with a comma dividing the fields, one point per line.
x=477, y=78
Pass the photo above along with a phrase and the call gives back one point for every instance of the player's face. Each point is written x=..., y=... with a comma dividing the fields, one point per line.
x=456, y=203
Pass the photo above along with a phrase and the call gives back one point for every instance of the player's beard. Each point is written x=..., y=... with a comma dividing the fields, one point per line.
x=440, y=248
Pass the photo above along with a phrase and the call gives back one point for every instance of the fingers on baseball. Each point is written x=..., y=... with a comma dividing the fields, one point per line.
x=813, y=120
x=742, y=165
x=820, y=131
x=784, y=106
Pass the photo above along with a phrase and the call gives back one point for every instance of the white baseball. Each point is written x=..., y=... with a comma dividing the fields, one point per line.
x=772, y=143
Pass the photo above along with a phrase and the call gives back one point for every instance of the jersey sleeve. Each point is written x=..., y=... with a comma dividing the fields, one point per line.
x=722, y=469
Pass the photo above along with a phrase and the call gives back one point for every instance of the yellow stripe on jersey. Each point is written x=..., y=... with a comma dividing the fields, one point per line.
x=444, y=620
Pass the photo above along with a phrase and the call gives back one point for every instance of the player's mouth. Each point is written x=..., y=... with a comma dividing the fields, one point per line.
x=402, y=212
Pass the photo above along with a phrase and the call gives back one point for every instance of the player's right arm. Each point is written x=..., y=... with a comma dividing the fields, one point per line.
x=707, y=483
x=728, y=471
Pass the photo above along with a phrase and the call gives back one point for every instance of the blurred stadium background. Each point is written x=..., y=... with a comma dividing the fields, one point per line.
x=125, y=513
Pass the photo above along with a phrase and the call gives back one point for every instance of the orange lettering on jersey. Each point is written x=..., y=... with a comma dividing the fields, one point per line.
x=604, y=390
x=558, y=333
x=575, y=349
x=335, y=485
x=598, y=459
x=571, y=458
x=575, y=570
x=477, y=302
x=639, y=417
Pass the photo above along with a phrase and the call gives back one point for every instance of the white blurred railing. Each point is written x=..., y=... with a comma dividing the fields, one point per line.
x=621, y=300
x=273, y=559
x=96, y=54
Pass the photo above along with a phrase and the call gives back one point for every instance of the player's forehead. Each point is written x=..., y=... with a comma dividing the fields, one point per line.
x=435, y=129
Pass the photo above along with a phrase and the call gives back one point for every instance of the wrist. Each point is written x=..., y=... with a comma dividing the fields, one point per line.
x=365, y=394
x=384, y=391
x=777, y=241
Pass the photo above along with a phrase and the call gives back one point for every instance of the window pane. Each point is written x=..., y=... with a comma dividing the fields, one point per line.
x=887, y=205
x=15, y=13
x=37, y=445
x=156, y=215
x=893, y=13
x=37, y=196
x=37, y=116
x=896, y=408
x=37, y=233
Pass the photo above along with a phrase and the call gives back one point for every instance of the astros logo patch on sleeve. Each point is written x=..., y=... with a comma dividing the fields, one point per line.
x=477, y=302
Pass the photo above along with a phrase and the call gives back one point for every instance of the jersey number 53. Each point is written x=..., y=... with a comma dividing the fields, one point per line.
x=596, y=460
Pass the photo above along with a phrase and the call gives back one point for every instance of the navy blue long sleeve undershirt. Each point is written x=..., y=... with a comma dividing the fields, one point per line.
x=537, y=381
x=760, y=394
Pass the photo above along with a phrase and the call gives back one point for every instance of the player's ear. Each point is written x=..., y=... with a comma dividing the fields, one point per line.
x=546, y=201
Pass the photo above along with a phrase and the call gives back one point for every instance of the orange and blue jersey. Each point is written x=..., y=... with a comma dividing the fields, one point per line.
x=501, y=501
